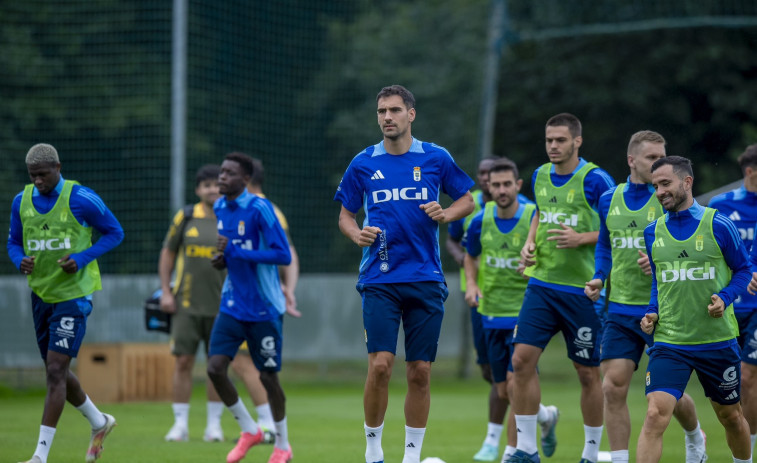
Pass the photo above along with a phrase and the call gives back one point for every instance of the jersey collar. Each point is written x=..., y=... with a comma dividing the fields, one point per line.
x=581, y=163
x=415, y=147
x=637, y=186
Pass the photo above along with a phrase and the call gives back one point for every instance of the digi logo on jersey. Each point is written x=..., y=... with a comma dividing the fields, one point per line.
x=246, y=244
x=502, y=262
x=671, y=272
x=558, y=218
x=625, y=239
x=397, y=194
x=53, y=244
x=747, y=234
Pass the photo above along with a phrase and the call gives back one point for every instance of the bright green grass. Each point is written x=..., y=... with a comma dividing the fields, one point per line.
x=325, y=420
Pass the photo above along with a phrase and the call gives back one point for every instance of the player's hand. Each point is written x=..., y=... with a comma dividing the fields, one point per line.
x=291, y=302
x=593, y=289
x=528, y=254
x=565, y=236
x=167, y=302
x=367, y=236
x=434, y=211
x=648, y=322
x=218, y=261
x=522, y=270
x=752, y=288
x=472, y=295
x=717, y=308
x=643, y=262
x=27, y=265
x=68, y=264
x=221, y=243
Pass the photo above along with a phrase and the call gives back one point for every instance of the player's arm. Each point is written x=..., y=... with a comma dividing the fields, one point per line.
x=459, y=209
x=15, y=243
x=471, y=261
x=597, y=182
x=602, y=253
x=528, y=252
x=277, y=252
x=89, y=208
x=652, y=315
x=735, y=255
x=453, y=242
x=167, y=260
x=348, y=225
x=290, y=275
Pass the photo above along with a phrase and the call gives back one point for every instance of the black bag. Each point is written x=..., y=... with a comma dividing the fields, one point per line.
x=156, y=319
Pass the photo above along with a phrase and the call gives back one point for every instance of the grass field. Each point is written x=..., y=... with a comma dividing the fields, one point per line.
x=325, y=420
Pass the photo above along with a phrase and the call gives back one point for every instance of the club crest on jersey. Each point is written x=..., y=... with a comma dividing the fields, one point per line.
x=417, y=174
x=699, y=243
x=240, y=228
x=571, y=195
x=651, y=214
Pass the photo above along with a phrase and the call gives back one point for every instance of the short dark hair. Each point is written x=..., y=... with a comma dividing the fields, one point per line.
x=568, y=120
x=257, y=172
x=748, y=158
x=207, y=172
x=407, y=97
x=244, y=160
x=680, y=164
x=504, y=164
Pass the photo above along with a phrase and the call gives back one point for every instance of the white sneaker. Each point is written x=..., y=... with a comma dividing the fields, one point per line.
x=178, y=433
x=213, y=434
x=98, y=437
x=696, y=453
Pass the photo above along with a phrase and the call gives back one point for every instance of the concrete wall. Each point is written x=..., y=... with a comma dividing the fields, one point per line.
x=331, y=327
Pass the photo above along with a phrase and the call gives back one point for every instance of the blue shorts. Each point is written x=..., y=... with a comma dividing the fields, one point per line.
x=748, y=336
x=546, y=311
x=623, y=338
x=420, y=306
x=60, y=326
x=500, y=346
x=479, y=338
x=263, y=340
x=719, y=372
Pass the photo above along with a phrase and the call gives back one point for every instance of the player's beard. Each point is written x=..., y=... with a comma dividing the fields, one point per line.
x=678, y=199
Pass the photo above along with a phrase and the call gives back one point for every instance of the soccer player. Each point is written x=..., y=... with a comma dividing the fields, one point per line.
x=192, y=300
x=251, y=244
x=495, y=288
x=398, y=182
x=624, y=211
x=740, y=205
x=455, y=232
x=699, y=265
x=559, y=256
x=50, y=242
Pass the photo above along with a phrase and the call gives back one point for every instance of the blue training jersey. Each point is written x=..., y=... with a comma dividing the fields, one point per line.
x=390, y=189
x=682, y=225
x=740, y=206
x=257, y=245
x=88, y=209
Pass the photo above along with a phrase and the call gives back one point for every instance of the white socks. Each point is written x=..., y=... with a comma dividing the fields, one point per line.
x=526, y=426
x=240, y=413
x=265, y=416
x=413, y=444
x=619, y=456
x=214, y=412
x=181, y=414
x=92, y=414
x=373, y=451
x=493, y=434
x=282, y=434
x=591, y=444
x=46, y=435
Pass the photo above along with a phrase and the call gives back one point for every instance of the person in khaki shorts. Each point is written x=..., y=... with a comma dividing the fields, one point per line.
x=193, y=299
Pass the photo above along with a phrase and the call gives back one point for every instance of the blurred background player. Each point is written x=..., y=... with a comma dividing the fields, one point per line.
x=397, y=182
x=192, y=299
x=495, y=288
x=50, y=241
x=456, y=230
x=560, y=248
x=740, y=205
x=699, y=266
x=624, y=211
x=252, y=244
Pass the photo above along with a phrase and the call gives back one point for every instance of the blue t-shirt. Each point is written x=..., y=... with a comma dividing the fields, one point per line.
x=257, y=245
x=391, y=188
x=682, y=225
x=596, y=182
x=740, y=206
x=88, y=209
